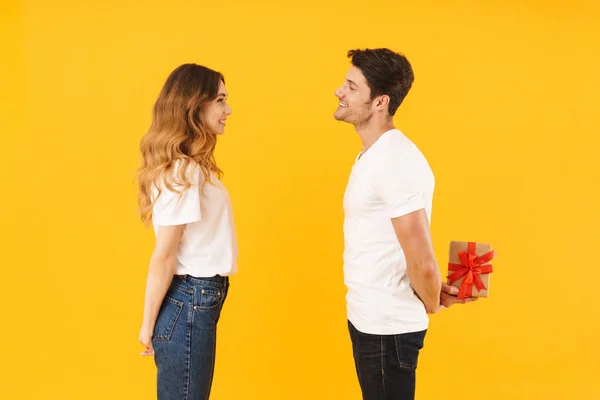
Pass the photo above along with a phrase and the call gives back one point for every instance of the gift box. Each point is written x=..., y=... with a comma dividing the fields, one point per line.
x=469, y=268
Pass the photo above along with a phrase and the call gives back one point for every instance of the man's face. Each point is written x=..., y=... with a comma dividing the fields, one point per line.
x=355, y=99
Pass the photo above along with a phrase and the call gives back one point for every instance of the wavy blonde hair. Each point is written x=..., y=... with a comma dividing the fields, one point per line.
x=178, y=135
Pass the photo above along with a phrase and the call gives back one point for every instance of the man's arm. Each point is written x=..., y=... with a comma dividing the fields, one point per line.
x=414, y=236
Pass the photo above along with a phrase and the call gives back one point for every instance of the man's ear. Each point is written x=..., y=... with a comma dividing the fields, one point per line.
x=382, y=102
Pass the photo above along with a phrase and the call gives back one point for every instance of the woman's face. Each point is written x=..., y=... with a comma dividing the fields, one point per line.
x=215, y=113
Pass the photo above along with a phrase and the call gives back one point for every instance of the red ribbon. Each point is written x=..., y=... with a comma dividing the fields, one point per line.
x=470, y=267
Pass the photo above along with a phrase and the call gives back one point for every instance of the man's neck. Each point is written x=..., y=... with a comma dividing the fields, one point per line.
x=370, y=132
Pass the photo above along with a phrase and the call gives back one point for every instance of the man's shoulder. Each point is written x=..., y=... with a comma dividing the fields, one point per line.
x=400, y=149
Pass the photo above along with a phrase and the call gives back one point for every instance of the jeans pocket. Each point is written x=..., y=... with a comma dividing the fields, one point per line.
x=211, y=298
x=168, y=315
x=408, y=346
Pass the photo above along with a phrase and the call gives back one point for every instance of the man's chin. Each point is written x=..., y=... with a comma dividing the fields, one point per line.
x=339, y=117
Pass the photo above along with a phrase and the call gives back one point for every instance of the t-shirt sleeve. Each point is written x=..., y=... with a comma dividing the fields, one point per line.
x=172, y=208
x=398, y=188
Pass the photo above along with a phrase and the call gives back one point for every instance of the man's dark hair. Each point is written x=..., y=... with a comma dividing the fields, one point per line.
x=386, y=72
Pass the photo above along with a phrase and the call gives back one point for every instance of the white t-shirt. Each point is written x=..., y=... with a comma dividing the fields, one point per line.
x=392, y=178
x=208, y=244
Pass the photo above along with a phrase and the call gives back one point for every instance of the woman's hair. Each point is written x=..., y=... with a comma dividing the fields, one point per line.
x=178, y=136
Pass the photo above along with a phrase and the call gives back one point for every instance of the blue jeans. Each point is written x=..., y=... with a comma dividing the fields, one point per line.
x=185, y=334
x=386, y=364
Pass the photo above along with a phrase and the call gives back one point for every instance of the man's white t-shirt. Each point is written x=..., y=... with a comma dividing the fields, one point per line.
x=208, y=245
x=392, y=178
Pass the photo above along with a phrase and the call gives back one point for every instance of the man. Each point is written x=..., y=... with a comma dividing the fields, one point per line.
x=390, y=270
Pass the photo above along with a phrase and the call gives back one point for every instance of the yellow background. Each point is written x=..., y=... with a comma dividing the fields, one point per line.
x=504, y=106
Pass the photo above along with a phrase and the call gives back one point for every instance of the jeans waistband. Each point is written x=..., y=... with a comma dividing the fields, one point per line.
x=216, y=281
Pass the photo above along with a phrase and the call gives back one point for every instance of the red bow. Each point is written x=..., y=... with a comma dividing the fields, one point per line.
x=470, y=267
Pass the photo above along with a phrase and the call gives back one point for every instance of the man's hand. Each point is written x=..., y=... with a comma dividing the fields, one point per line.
x=448, y=296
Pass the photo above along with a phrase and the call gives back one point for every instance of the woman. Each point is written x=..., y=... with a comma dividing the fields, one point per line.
x=196, y=247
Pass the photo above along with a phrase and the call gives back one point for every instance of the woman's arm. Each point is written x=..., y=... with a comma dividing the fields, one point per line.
x=160, y=274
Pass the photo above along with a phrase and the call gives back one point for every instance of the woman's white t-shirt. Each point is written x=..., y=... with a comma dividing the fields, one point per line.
x=208, y=245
